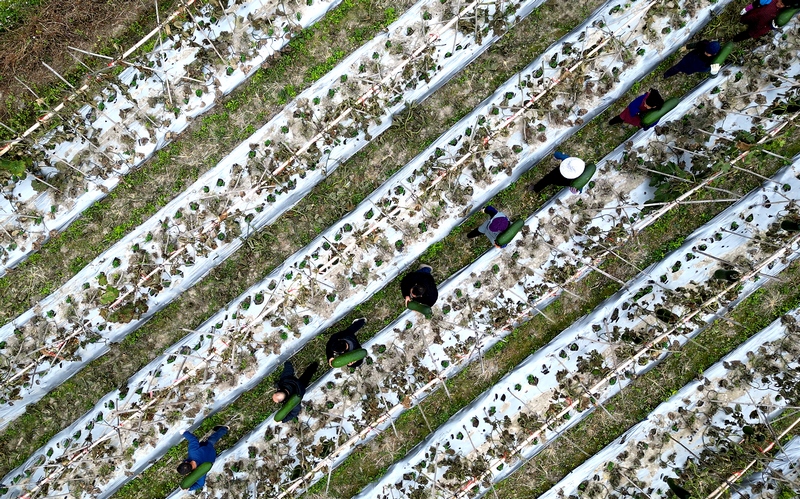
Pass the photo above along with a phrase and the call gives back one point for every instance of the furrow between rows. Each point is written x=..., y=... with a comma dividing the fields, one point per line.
x=308, y=286
x=749, y=387
x=142, y=109
x=148, y=269
x=481, y=305
x=590, y=361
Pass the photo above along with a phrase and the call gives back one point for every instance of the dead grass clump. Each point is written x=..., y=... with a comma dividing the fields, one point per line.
x=45, y=35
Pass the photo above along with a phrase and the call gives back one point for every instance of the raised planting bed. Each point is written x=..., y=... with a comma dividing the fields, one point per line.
x=557, y=386
x=173, y=250
x=479, y=306
x=779, y=476
x=204, y=55
x=748, y=388
x=303, y=287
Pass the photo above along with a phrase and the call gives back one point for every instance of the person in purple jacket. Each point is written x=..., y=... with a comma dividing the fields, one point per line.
x=497, y=223
x=200, y=452
x=632, y=114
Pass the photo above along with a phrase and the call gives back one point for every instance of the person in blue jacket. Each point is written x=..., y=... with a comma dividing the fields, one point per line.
x=497, y=223
x=200, y=452
x=289, y=385
x=698, y=60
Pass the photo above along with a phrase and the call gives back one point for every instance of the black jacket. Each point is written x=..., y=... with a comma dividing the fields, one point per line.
x=426, y=280
x=292, y=385
x=347, y=336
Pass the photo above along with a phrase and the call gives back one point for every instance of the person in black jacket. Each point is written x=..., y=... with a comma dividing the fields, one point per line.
x=698, y=60
x=345, y=341
x=420, y=287
x=568, y=170
x=289, y=385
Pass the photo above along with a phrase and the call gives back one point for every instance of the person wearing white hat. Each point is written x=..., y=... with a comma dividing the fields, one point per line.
x=568, y=170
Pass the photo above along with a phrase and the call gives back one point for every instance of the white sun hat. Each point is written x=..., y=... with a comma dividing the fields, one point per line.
x=572, y=168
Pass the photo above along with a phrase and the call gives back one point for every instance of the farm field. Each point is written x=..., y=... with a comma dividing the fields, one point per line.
x=203, y=195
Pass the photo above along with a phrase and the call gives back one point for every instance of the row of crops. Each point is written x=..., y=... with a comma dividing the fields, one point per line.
x=569, y=84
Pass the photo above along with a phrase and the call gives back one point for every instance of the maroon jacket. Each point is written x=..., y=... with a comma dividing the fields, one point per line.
x=759, y=20
x=632, y=114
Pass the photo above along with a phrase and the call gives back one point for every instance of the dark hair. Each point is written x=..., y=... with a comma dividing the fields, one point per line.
x=418, y=290
x=340, y=347
x=654, y=99
x=185, y=467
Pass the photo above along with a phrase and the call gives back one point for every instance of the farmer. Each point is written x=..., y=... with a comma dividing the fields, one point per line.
x=289, y=385
x=345, y=341
x=698, y=60
x=497, y=223
x=568, y=170
x=420, y=286
x=758, y=17
x=200, y=452
x=632, y=114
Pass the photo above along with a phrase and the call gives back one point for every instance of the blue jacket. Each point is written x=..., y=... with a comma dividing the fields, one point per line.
x=635, y=107
x=199, y=453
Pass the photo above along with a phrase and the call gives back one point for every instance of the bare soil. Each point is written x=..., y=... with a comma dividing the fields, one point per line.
x=45, y=35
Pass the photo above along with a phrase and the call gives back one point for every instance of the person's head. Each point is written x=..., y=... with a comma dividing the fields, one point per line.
x=654, y=100
x=712, y=48
x=186, y=467
x=571, y=168
x=417, y=290
x=340, y=347
x=279, y=396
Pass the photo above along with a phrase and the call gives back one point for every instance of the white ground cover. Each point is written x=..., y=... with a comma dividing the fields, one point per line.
x=202, y=366
x=780, y=474
x=749, y=387
x=170, y=252
x=140, y=111
x=481, y=304
x=589, y=362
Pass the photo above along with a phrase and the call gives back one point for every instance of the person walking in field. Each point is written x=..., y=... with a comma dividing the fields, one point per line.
x=698, y=60
x=497, y=223
x=345, y=341
x=567, y=171
x=759, y=18
x=420, y=287
x=632, y=115
x=289, y=385
x=200, y=453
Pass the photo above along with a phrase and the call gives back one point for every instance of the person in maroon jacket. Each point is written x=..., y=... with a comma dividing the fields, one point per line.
x=759, y=19
x=632, y=114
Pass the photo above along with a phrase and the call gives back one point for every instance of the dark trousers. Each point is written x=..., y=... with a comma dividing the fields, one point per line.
x=552, y=178
x=214, y=438
x=744, y=35
x=305, y=378
x=354, y=327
